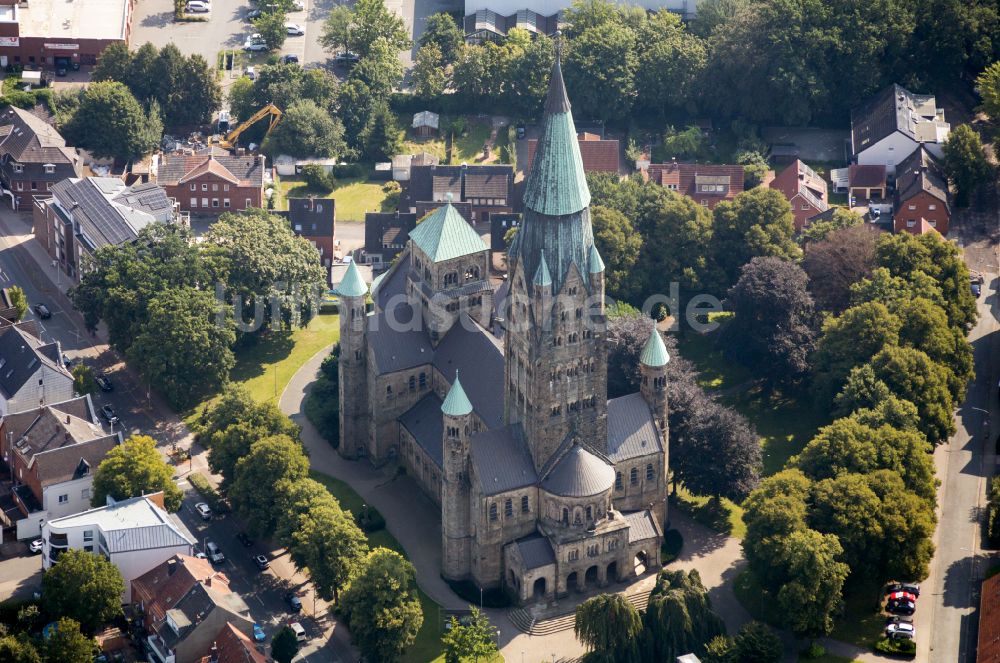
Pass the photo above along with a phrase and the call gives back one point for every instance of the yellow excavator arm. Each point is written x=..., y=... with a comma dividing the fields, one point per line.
x=229, y=140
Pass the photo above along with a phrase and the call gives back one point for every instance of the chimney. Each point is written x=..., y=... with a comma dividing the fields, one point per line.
x=67, y=418
x=213, y=655
x=66, y=438
x=171, y=566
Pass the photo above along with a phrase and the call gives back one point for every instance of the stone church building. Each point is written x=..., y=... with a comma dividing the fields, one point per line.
x=496, y=400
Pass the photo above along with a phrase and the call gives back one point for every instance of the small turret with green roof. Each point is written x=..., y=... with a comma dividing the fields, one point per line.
x=352, y=285
x=596, y=264
x=654, y=353
x=542, y=276
x=456, y=403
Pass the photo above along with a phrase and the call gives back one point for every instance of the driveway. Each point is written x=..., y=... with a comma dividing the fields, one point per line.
x=20, y=576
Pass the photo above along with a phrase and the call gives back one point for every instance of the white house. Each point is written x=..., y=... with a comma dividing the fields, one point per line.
x=135, y=535
x=52, y=452
x=686, y=8
x=31, y=372
x=893, y=124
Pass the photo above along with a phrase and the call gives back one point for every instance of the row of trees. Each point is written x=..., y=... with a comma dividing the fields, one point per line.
x=257, y=451
x=765, y=61
x=169, y=303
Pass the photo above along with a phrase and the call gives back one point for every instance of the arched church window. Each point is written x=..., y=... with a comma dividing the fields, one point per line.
x=618, y=480
x=633, y=476
x=493, y=511
x=590, y=513
x=565, y=518
x=650, y=472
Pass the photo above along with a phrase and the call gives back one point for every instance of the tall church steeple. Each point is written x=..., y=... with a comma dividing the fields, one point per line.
x=556, y=359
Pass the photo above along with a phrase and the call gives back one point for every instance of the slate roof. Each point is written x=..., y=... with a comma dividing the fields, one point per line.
x=192, y=608
x=684, y=178
x=654, y=353
x=383, y=228
x=536, y=551
x=110, y=213
x=425, y=424
x=579, y=473
x=445, y=235
x=893, y=109
x=178, y=169
x=631, y=430
x=21, y=355
x=478, y=354
x=433, y=182
x=315, y=215
x=395, y=345
x=641, y=526
x=391, y=284
x=29, y=139
x=920, y=172
x=501, y=460
x=456, y=403
x=486, y=185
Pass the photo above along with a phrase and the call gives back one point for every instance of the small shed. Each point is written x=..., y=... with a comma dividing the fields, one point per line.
x=425, y=123
x=33, y=78
x=867, y=182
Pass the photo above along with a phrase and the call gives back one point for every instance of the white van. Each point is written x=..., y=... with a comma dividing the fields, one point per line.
x=214, y=553
x=197, y=7
x=300, y=633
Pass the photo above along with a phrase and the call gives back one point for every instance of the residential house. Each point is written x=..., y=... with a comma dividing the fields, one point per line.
x=599, y=155
x=80, y=215
x=186, y=604
x=487, y=189
x=135, y=535
x=892, y=124
x=31, y=371
x=708, y=184
x=403, y=163
x=804, y=190
x=231, y=645
x=314, y=219
x=51, y=453
x=500, y=224
x=8, y=311
x=211, y=184
x=921, y=195
x=33, y=157
x=989, y=621
x=425, y=123
x=866, y=182
x=386, y=234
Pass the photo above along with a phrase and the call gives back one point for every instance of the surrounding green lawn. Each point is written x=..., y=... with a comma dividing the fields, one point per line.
x=468, y=147
x=725, y=517
x=295, y=187
x=355, y=197
x=714, y=372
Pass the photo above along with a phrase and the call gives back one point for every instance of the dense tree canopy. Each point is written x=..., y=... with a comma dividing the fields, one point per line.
x=442, y=31
x=836, y=262
x=755, y=223
x=619, y=247
x=132, y=469
x=812, y=580
x=84, y=587
x=307, y=130
x=111, y=123
x=258, y=475
x=329, y=543
x=966, y=163
x=472, y=640
x=66, y=644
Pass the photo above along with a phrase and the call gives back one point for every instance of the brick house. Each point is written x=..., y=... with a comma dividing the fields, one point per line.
x=52, y=452
x=210, y=184
x=989, y=621
x=51, y=33
x=805, y=191
x=599, y=155
x=487, y=189
x=33, y=157
x=921, y=195
x=708, y=184
x=314, y=219
x=386, y=234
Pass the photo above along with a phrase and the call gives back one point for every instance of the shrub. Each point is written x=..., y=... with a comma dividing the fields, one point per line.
x=212, y=497
x=317, y=178
x=814, y=650
x=345, y=171
x=672, y=544
x=907, y=648
x=369, y=519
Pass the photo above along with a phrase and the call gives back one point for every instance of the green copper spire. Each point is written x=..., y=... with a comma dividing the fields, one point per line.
x=456, y=403
x=654, y=353
x=556, y=185
x=444, y=235
x=352, y=285
x=542, y=276
x=596, y=264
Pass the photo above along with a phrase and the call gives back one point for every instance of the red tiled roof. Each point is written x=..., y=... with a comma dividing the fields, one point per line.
x=210, y=165
x=989, y=621
x=159, y=589
x=800, y=179
x=867, y=176
x=684, y=178
x=233, y=646
x=599, y=156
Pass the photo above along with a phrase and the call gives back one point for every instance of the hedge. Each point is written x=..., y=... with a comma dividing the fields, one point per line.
x=212, y=497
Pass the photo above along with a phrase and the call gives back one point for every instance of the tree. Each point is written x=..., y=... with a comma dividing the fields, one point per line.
x=141, y=77
x=185, y=350
x=430, y=72
x=913, y=376
x=113, y=63
x=627, y=333
x=924, y=326
x=755, y=167
x=306, y=130
x=679, y=618
x=834, y=263
x=848, y=446
x=380, y=70
x=18, y=650
x=254, y=490
x=83, y=379
x=988, y=85
x=18, y=300
x=757, y=643
x=373, y=21
x=382, y=134
x=850, y=340
x=965, y=163
x=66, y=644
x=778, y=507
x=381, y=605
x=135, y=468
x=329, y=543
x=84, y=587
x=755, y=223
x=609, y=626
x=669, y=66
x=600, y=69
x=619, y=245
x=720, y=649
x=271, y=27
x=284, y=645
x=473, y=640
x=111, y=123
x=441, y=30
x=684, y=144
x=296, y=499
x=841, y=218
x=813, y=578
x=772, y=329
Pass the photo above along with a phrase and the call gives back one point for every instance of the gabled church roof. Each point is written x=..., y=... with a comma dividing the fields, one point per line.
x=556, y=185
x=445, y=235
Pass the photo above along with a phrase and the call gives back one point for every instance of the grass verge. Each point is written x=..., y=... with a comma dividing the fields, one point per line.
x=724, y=516
x=212, y=497
x=355, y=197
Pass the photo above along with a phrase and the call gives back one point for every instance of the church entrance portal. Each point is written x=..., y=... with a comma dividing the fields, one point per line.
x=539, y=588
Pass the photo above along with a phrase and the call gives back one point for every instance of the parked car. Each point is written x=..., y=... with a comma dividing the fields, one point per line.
x=244, y=539
x=254, y=46
x=203, y=510
x=254, y=13
x=298, y=5
x=42, y=311
x=215, y=555
x=109, y=414
x=258, y=633
x=104, y=382
x=902, y=596
x=347, y=56
x=300, y=633
x=261, y=562
x=197, y=7
x=294, y=29
x=896, y=586
x=976, y=290
x=35, y=547
x=900, y=631
x=901, y=607
x=293, y=601
x=291, y=58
